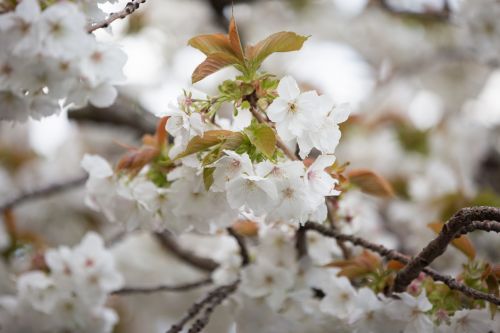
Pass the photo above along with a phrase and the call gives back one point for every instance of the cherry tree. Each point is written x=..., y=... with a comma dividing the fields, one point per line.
x=266, y=225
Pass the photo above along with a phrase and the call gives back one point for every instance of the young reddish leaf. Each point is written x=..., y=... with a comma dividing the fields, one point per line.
x=134, y=160
x=246, y=228
x=263, y=138
x=234, y=39
x=395, y=265
x=279, y=42
x=209, y=139
x=462, y=243
x=161, y=132
x=360, y=265
x=209, y=44
x=213, y=63
x=371, y=183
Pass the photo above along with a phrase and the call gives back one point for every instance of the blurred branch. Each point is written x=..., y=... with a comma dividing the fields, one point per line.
x=245, y=257
x=462, y=222
x=395, y=255
x=170, y=244
x=123, y=112
x=209, y=303
x=44, y=192
x=150, y=290
x=442, y=15
x=130, y=7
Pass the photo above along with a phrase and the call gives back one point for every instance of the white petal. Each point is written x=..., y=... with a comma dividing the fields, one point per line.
x=103, y=95
x=341, y=113
x=96, y=166
x=277, y=110
x=288, y=88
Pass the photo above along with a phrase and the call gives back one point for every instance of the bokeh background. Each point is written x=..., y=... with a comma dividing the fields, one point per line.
x=421, y=77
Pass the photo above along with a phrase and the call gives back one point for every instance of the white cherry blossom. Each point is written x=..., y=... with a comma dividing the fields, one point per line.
x=293, y=111
x=230, y=167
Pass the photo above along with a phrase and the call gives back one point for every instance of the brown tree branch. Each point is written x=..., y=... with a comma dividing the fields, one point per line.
x=429, y=15
x=245, y=257
x=169, y=243
x=209, y=302
x=464, y=218
x=150, y=290
x=124, y=112
x=395, y=255
x=44, y=192
x=130, y=7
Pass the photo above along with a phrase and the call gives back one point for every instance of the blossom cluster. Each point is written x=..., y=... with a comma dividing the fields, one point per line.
x=307, y=293
x=309, y=119
x=48, y=60
x=71, y=296
x=279, y=194
x=281, y=191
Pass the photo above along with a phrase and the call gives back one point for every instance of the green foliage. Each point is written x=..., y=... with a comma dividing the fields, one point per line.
x=208, y=177
x=413, y=140
x=227, y=139
x=157, y=176
x=263, y=138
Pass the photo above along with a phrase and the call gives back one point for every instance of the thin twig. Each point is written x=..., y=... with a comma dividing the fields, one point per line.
x=301, y=242
x=435, y=16
x=245, y=257
x=130, y=7
x=395, y=255
x=464, y=218
x=44, y=192
x=169, y=243
x=124, y=113
x=150, y=290
x=213, y=298
x=201, y=322
x=346, y=252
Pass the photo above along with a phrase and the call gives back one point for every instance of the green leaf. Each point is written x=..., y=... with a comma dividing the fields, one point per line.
x=208, y=177
x=284, y=41
x=211, y=138
x=263, y=138
x=213, y=63
x=413, y=140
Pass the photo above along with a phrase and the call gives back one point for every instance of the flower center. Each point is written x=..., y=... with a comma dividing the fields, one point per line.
x=288, y=192
x=292, y=107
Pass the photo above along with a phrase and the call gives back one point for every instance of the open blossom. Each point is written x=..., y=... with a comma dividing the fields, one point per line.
x=21, y=25
x=72, y=295
x=319, y=182
x=48, y=61
x=38, y=289
x=326, y=136
x=266, y=280
x=412, y=311
x=307, y=117
x=294, y=204
x=63, y=28
x=293, y=111
x=183, y=124
x=369, y=316
x=340, y=297
x=229, y=167
x=471, y=321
